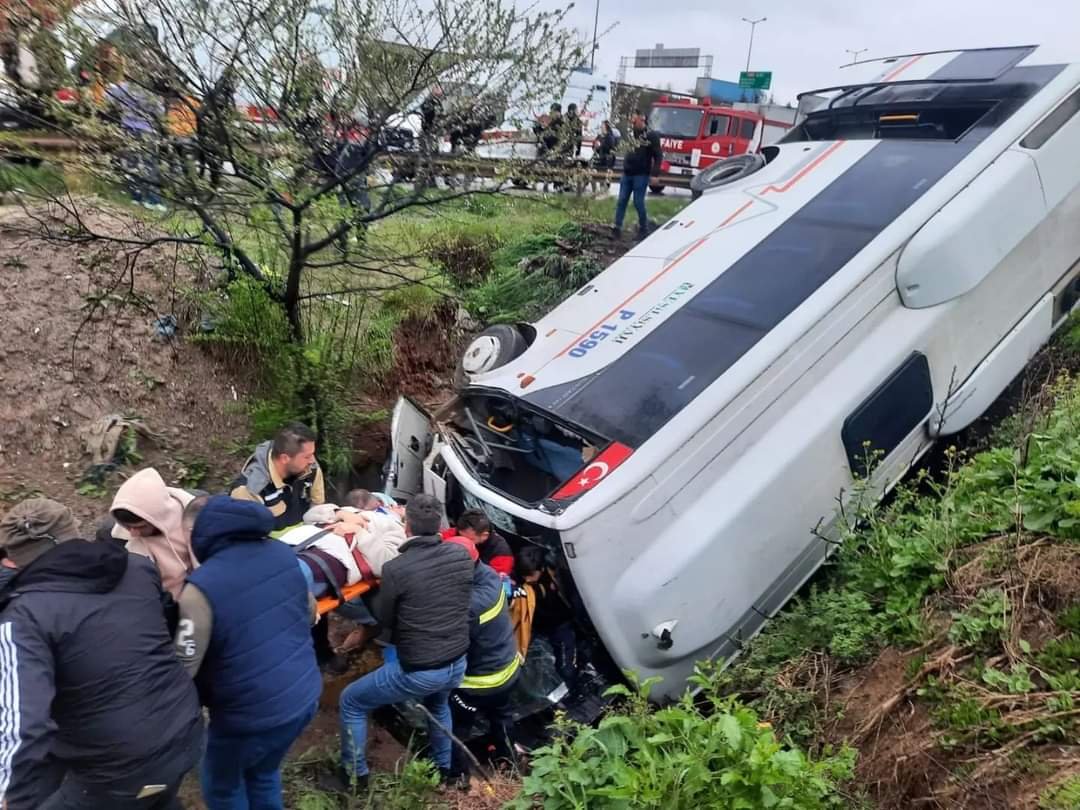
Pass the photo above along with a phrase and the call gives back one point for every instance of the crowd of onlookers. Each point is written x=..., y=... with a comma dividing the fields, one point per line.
x=114, y=644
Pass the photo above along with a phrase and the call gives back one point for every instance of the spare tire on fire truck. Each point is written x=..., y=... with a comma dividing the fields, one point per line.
x=724, y=172
x=491, y=349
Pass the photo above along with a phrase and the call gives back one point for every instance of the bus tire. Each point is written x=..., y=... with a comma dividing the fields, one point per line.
x=656, y=188
x=491, y=349
x=723, y=172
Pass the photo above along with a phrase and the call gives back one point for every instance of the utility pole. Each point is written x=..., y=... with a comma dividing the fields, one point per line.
x=595, y=26
x=750, y=50
x=855, y=54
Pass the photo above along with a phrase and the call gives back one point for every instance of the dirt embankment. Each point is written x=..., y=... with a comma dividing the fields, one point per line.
x=82, y=341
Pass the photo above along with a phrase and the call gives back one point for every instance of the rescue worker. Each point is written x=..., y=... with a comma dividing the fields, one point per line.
x=148, y=518
x=181, y=123
x=495, y=552
x=245, y=616
x=97, y=712
x=212, y=126
x=284, y=476
x=539, y=607
x=641, y=161
x=570, y=137
x=423, y=604
x=492, y=666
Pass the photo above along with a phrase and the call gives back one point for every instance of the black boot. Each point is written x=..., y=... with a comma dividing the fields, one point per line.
x=341, y=781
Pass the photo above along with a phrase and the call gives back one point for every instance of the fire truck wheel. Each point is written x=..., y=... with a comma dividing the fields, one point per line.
x=491, y=349
x=726, y=171
x=656, y=189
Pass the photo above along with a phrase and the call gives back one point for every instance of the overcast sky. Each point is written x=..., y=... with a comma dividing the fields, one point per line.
x=803, y=41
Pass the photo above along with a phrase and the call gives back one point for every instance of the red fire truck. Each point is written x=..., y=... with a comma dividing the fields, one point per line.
x=695, y=134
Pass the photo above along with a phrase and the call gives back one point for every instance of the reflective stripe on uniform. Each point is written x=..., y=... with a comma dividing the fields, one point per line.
x=495, y=609
x=495, y=679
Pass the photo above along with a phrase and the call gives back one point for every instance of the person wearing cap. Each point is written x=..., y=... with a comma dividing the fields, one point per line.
x=97, y=711
x=492, y=665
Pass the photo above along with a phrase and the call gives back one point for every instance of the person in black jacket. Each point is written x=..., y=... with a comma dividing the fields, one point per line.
x=603, y=157
x=641, y=161
x=492, y=665
x=570, y=137
x=97, y=712
x=423, y=602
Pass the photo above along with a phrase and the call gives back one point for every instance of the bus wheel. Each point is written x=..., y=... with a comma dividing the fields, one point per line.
x=491, y=349
x=656, y=188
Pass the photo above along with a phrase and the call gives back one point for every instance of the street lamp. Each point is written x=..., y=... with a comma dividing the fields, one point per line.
x=750, y=50
x=595, y=26
x=855, y=54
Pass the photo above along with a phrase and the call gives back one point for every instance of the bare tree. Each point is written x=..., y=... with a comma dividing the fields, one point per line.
x=278, y=132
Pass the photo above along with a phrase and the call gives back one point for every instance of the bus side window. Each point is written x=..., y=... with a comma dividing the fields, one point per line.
x=888, y=415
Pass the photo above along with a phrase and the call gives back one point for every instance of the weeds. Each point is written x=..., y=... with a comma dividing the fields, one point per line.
x=706, y=752
x=1063, y=796
x=983, y=623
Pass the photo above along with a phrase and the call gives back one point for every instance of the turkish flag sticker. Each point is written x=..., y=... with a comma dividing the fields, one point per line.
x=594, y=472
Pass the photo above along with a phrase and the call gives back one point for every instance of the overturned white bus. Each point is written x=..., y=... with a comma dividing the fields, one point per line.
x=679, y=429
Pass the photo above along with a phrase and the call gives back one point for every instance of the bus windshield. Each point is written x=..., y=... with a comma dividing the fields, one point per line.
x=676, y=122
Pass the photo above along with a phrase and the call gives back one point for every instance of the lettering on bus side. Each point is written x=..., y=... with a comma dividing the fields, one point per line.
x=603, y=333
x=664, y=304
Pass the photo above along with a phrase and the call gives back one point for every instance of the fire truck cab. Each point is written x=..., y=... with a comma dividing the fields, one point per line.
x=695, y=134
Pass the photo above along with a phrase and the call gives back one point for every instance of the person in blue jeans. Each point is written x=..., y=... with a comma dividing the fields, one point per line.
x=245, y=635
x=423, y=602
x=641, y=162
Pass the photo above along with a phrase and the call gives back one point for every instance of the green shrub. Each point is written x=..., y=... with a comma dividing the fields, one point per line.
x=984, y=622
x=466, y=256
x=698, y=753
x=1062, y=796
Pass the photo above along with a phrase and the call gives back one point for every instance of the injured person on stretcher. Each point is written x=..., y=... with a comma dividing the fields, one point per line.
x=341, y=551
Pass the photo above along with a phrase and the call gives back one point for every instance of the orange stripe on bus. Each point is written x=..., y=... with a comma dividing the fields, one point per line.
x=890, y=76
x=530, y=378
x=805, y=170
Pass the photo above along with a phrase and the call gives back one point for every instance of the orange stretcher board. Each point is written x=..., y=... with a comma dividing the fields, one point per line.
x=328, y=603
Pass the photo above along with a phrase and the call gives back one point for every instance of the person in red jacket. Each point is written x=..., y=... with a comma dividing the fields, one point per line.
x=494, y=550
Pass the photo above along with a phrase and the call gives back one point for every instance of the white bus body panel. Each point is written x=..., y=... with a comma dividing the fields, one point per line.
x=724, y=511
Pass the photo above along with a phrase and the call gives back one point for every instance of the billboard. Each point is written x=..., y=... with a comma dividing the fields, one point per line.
x=661, y=57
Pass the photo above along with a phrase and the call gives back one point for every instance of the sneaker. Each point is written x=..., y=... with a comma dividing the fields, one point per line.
x=616, y=233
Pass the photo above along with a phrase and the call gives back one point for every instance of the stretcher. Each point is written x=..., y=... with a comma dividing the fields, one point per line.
x=328, y=603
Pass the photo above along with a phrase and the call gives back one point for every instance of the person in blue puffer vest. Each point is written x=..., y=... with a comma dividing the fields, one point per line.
x=245, y=636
